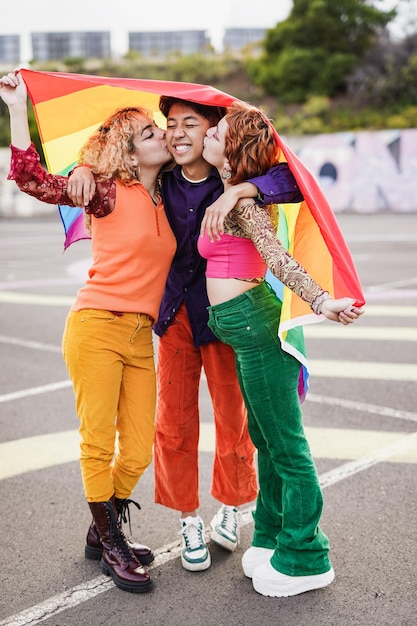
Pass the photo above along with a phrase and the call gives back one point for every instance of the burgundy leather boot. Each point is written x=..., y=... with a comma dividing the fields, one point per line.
x=93, y=547
x=117, y=559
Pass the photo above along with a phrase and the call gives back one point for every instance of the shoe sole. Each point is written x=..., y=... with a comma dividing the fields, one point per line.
x=222, y=541
x=249, y=567
x=126, y=586
x=266, y=588
x=196, y=567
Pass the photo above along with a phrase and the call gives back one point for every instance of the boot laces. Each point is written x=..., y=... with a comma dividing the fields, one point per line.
x=117, y=538
x=123, y=510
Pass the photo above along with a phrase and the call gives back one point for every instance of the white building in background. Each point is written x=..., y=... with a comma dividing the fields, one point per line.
x=239, y=38
x=10, y=49
x=61, y=45
x=162, y=43
x=54, y=46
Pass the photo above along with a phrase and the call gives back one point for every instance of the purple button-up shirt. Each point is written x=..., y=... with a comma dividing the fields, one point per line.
x=185, y=204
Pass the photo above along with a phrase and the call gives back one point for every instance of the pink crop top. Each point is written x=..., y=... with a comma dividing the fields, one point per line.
x=231, y=257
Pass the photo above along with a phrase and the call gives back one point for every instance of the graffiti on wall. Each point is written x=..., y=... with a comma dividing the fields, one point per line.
x=364, y=172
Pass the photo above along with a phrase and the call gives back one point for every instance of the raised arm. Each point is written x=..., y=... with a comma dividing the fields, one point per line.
x=25, y=167
x=13, y=92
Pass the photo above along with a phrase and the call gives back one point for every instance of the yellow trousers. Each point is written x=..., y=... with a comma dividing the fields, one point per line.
x=110, y=360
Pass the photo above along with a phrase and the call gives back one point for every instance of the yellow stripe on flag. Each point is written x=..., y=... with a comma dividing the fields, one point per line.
x=87, y=109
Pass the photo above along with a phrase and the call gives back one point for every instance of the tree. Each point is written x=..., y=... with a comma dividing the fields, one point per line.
x=388, y=75
x=316, y=48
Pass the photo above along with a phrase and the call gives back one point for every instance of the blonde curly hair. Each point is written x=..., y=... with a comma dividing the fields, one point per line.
x=108, y=150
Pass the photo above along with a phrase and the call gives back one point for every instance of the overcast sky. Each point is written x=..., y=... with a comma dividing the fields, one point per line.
x=26, y=16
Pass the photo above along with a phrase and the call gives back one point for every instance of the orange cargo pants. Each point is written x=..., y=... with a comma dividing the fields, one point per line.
x=177, y=425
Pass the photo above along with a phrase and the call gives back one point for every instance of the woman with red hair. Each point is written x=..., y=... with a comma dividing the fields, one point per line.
x=289, y=552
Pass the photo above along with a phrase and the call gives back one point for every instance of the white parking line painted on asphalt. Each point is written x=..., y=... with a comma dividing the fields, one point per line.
x=92, y=588
x=39, y=452
x=405, y=447
x=363, y=407
x=38, y=282
x=35, y=345
x=42, y=451
x=394, y=284
x=34, y=391
x=11, y=297
x=383, y=310
x=375, y=237
x=374, y=294
x=355, y=444
x=328, y=330
x=363, y=370
x=61, y=602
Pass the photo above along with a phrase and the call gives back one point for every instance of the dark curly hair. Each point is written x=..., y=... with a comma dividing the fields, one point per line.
x=211, y=113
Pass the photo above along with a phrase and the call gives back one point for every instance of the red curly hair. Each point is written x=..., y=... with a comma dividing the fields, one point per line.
x=251, y=144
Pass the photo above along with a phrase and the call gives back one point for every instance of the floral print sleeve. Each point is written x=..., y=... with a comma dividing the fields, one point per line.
x=256, y=223
x=31, y=178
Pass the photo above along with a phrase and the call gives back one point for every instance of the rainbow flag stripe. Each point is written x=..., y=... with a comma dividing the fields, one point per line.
x=69, y=107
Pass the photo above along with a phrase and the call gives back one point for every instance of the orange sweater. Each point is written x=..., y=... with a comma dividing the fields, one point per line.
x=132, y=251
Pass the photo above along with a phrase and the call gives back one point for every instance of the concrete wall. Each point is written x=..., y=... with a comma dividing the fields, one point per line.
x=363, y=172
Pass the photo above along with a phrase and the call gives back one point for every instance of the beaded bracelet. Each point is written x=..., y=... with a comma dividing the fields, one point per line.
x=316, y=305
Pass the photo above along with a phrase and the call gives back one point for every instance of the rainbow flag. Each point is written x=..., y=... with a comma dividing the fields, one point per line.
x=69, y=107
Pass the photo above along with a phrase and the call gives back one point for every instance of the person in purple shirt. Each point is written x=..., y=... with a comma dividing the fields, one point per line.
x=186, y=345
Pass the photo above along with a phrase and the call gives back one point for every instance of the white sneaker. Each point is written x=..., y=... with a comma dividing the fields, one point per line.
x=225, y=527
x=253, y=557
x=269, y=582
x=195, y=555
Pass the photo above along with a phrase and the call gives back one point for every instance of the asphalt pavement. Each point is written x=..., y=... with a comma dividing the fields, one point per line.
x=361, y=420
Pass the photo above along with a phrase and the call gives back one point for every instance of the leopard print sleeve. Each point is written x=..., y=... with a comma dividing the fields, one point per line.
x=257, y=223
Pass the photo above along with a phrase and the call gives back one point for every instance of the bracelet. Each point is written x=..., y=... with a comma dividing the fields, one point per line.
x=81, y=165
x=316, y=305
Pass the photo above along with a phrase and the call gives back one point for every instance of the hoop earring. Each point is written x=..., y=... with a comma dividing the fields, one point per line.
x=226, y=174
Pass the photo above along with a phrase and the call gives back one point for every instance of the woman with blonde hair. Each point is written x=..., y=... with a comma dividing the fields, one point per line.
x=107, y=342
x=289, y=552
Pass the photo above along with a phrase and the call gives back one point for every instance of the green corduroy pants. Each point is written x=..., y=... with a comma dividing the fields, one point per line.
x=290, y=502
